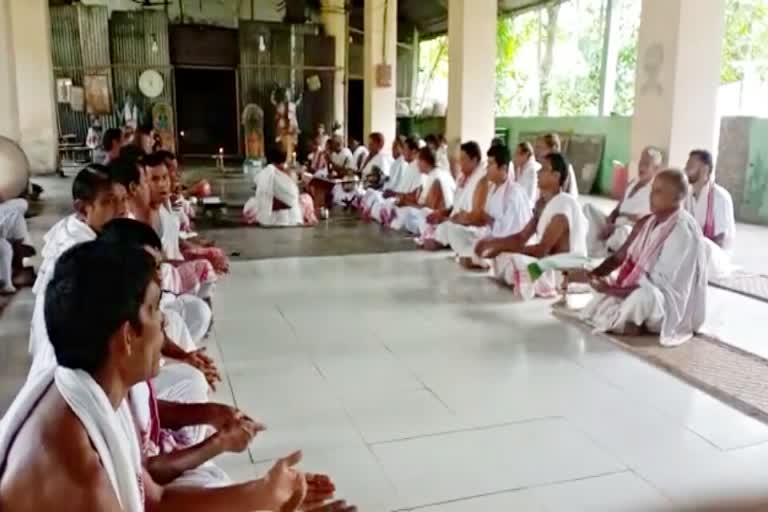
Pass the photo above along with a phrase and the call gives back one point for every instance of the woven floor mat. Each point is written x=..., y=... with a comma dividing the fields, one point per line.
x=736, y=377
x=745, y=283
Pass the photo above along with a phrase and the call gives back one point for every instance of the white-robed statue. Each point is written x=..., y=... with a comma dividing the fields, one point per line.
x=608, y=233
x=712, y=207
x=661, y=284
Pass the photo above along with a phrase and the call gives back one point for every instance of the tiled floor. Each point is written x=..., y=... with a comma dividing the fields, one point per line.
x=418, y=386
x=421, y=387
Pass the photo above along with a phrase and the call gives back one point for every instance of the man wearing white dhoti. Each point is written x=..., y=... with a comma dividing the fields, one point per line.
x=278, y=202
x=712, y=207
x=661, y=286
x=79, y=410
x=507, y=211
x=558, y=226
x=435, y=195
x=550, y=143
x=375, y=171
x=527, y=171
x=405, y=180
x=469, y=203
x=15, y=245
x=607, y=234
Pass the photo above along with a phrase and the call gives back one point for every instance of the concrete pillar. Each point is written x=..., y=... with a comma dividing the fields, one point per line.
x=380, y=47
x=471, y=71
x=678, y=76
x=9, y=110
x=334, y=17
x=34, y=83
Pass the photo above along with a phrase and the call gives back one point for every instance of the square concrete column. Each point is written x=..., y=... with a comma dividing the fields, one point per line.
x=678, y=77
x=380, y=48
x=471, y=71
x=334, y=17
x=9, y=109
x=34, y=83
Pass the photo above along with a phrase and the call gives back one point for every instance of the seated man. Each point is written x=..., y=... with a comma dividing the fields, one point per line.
x=469, y=203
x=377, y=158
x=14, y=246
x=436, y=195
x=712, y=207
x=661, y=284
x=79, y=411
x=192, y=247
x=608, y=233
x=527, y=171
x=359, y=153
x=97, y=200
x=110, y=147
x=559, y=225
x=278, y=201
x=507, y=211
x=343, y=165
x=550, y=143
x=406, y=180
x=439, y=146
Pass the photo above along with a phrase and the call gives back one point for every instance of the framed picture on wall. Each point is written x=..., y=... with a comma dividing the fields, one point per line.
x=77, y=99
x=98, y=97
x=63, y=90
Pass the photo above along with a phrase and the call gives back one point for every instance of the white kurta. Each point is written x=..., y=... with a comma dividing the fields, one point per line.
x=407, y=180
x=509, y=210
x=414, y=220
x=513, y=268
x=273, y=184
x=381, y=160
x=722, y=223
x=573, y=184
x=463, y=202
x=638, y=204
x=672, y=292
x=358, y=156
x=528, y=178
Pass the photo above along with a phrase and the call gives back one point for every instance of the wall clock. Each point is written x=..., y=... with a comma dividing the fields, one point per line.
x=151, y=83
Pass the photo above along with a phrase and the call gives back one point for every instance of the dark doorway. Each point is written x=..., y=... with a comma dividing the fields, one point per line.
x=355, y=102
x=206, y=102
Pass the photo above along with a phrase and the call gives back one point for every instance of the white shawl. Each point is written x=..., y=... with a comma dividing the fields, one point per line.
x=465, y=194
x=170, y=232
x=528, y=178
x=573, y=185
x=723, y=215
x=275, y=184
x=566, y=204
x=447, y=184
x=380, y=160
x=395, y=175
x=508, y=206
x=65, y=234
x=111, y=431
x=639, y=203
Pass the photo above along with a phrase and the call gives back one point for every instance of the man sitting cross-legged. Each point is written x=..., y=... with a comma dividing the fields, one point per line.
x=436, y=194
x=278, y=202
x=527, y=171
x=507, y=211
x=97, y=200
x=661, y=284
x=192, y=279
x=559, y=225
x=79, y=410
x=608, y=233
x=405, y=180
x=468, y=204
x=15, y=245
x=712, y=207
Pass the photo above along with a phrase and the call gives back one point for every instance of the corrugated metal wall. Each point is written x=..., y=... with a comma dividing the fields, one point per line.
x=139, y=41
x=68, y=63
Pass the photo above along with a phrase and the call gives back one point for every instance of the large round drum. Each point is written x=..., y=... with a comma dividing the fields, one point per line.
x=14, y=169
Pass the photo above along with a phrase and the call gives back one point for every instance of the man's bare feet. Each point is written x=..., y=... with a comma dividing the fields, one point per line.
x=469, y=264
x=432, y=245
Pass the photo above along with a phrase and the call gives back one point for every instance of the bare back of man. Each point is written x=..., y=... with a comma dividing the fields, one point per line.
x=52, y=462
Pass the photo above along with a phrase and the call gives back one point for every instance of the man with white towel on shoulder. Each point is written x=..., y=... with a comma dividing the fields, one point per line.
x=660, y=285
x=608, y=233
x=712, y=207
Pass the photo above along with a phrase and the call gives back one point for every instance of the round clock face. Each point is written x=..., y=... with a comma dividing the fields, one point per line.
x=151, y=83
